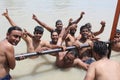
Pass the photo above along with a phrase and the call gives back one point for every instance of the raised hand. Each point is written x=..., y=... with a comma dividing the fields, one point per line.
x=70, y=21
x=82, y=13
x=24, y=34
x=5, y=13
x=34, y=17
x=103, y=23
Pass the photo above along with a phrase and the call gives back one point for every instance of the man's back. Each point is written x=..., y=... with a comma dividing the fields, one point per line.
x=107, y=70
x=3, y=65
x=103, y=69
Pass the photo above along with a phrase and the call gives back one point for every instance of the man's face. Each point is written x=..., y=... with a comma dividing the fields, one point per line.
x=69, y=58
x=59, y=26
x=73, y=29
x=117, y=35
x=37, y=35
x=14, y=37
x=85, y=33
x=54, y=37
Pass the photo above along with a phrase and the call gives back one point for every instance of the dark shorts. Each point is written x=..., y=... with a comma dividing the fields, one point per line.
x=89, y=61
x=7, y=77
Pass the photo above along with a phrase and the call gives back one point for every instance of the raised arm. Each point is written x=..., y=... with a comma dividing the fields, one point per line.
x=27, y=33
x=8, y=18
x=10, y=57
x=70, y=21
x=101, y=29
x=78, y=20
x=64, y=34
x=50, y=29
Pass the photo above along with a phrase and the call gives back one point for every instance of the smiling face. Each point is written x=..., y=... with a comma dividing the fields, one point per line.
x=38, y=32
x=54, y=37
x=84, y=32
x=59, y=25
x=37, y=35
x=14, y=37
x=117, y=35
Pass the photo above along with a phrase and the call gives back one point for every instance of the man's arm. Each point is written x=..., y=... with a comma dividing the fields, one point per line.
x=27, y=33
x=64, y=34
x=77, y=20
x=90, y=75
x=101, y=29
x=10, y=57
x=50, y=29
x=47, y=44
x=8, y=18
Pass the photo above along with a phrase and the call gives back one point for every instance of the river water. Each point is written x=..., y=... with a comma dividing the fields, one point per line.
x=49, y=11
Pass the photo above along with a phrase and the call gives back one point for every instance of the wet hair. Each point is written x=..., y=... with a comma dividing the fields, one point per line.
x=83, y=27
x=39, y=29
x=117, y=31
x=88, y=25
x=74, y=52
x=69, y=58
x=100, y=48
x=58, y=21
x=14, y=28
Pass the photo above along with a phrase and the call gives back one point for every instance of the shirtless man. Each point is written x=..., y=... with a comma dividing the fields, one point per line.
x=33, y=42
x=103, y=68
x=84, y=54
x=70, y=37
x=66, y=59
x=54, y=37
x=92, y=35
x=97, y=32
x=7, y=59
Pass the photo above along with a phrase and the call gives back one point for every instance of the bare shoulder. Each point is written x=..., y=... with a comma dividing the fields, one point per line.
x=93, y=64
x=5, y=44
x=97, y=64
x=44, y=43
x=6, y=47
x=89, y=41
x=105, y=63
